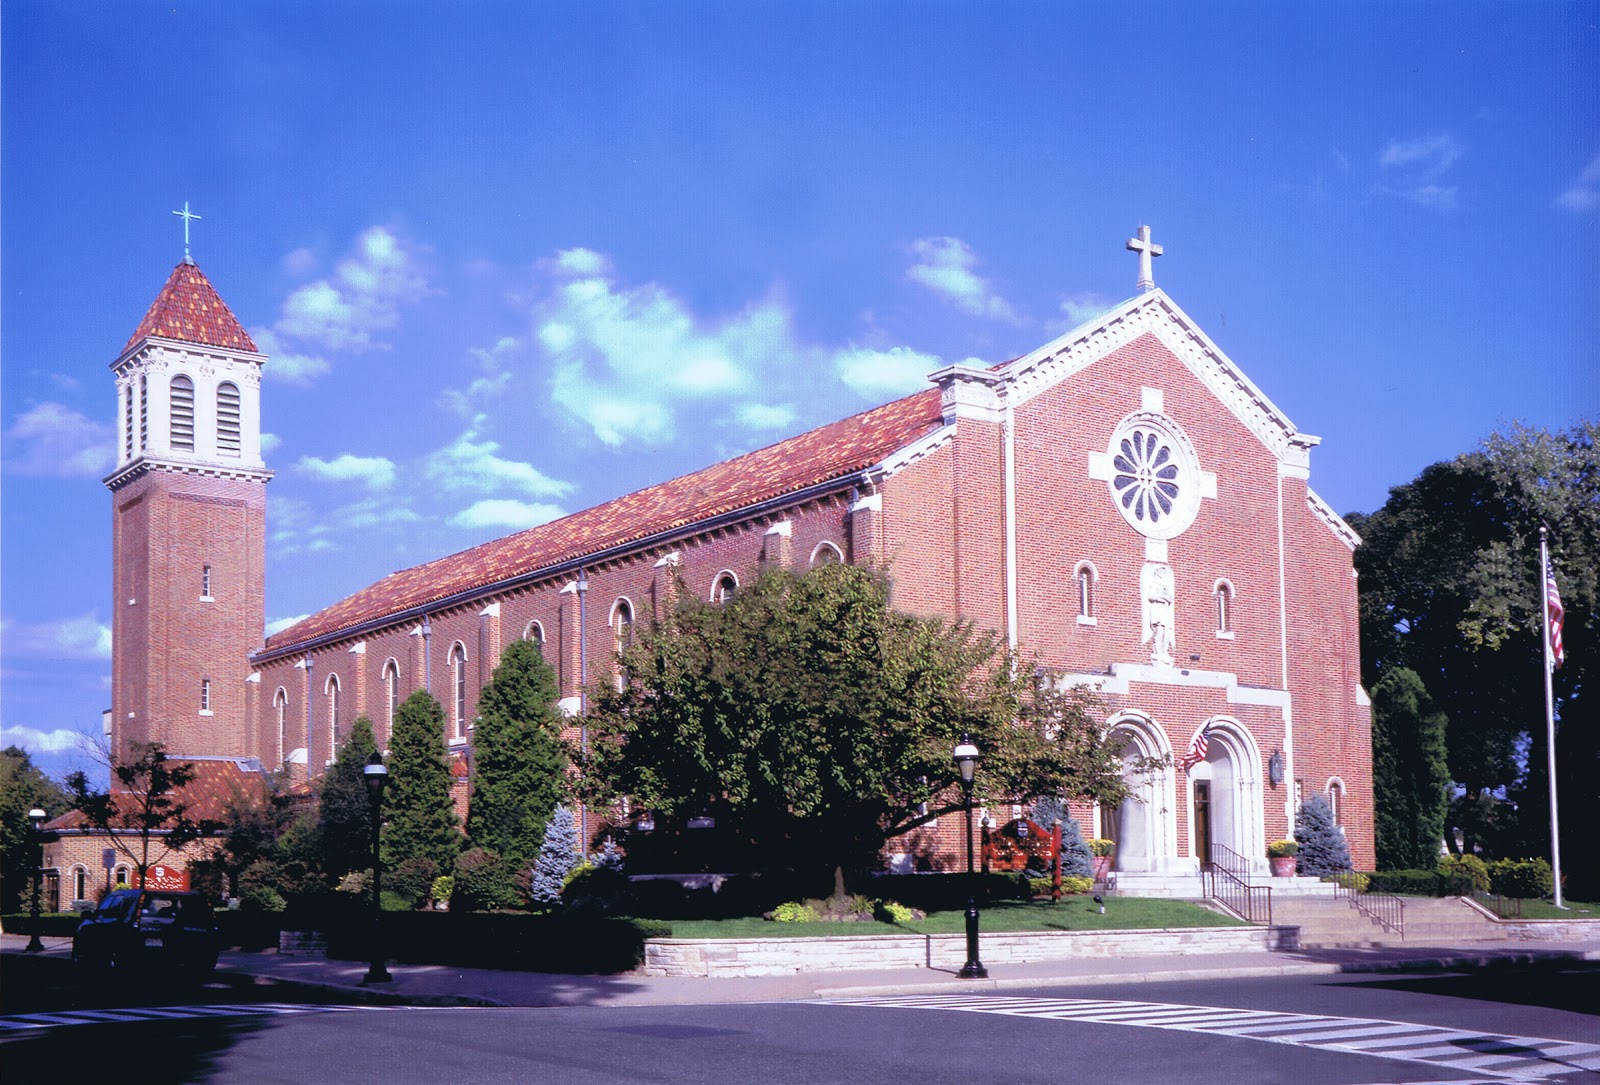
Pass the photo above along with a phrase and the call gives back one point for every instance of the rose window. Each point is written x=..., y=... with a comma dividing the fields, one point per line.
x=1146, y=480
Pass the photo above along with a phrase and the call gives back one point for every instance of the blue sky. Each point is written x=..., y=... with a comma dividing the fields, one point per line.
x=510, y=260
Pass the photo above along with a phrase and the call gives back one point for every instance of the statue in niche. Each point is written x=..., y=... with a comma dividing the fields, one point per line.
x=1156, y=587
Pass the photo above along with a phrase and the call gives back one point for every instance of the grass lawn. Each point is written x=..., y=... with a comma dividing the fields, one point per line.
x=1072, y=914
x=1544, y=909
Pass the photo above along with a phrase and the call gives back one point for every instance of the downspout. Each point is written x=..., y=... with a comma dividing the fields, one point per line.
x=1283, y=651
x=1008, y=429
x=583, y=699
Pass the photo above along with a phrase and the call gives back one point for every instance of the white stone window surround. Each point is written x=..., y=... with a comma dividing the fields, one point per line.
x=1085, y=578
x=826, y=553
x=205, y=697
x=205, y=585
x=458, y=692
x=720, y=584
x=1336, y=793
x=1152, y=474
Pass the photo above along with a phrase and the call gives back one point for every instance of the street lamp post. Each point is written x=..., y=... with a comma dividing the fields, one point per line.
x=375, y=775
x=966, y=759
x=36, y=822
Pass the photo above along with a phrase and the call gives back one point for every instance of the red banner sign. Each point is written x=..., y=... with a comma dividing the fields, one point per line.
x=166, y=877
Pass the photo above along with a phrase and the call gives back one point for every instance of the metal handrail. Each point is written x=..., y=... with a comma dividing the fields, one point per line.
x=1227, y=879
x=1386, y=910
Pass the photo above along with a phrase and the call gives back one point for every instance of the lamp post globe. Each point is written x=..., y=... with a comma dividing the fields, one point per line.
x=36, y=818
x=966, y=756
x=375, y=774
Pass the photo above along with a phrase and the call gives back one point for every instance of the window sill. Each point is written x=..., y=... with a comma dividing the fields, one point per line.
x=1224, y=634
x=207, y=599
x=1088, y=621
x=207, y=712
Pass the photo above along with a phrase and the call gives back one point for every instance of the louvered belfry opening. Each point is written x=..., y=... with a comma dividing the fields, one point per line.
x=228, y=419
x=182, y=414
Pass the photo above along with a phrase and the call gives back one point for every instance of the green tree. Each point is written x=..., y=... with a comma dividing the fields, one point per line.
x=1323, y=849
x=419, y=816
x=520, y=763
x=1450, y=588
x=23, y=787
x=147, y=817
x=1410, y=777
x=814, y=722
x=344, y=812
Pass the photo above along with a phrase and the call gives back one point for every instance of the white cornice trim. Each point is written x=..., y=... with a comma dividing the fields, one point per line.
x=904, y=457
x=229, y=353
x=1156, y=314
x=1124, y=676
x=1324, y=512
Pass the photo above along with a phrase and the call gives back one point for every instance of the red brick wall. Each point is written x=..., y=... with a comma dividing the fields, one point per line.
x=166, y=528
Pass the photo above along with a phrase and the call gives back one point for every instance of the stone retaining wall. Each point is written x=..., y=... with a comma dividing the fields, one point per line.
x=1552, y=930
x=786, y=956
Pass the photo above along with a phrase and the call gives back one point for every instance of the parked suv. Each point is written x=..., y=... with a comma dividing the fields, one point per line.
x=169, y=932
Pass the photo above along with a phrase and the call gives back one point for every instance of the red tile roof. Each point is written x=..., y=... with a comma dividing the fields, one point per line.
x=208, y=795
x=830, y=452
x=189, y=309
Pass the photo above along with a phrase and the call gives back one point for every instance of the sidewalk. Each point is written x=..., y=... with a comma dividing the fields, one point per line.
x=417, y=984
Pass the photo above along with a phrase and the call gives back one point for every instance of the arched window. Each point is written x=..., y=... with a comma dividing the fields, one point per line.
x=724, y=588
x=622, y=632
x=205, y=696
x=391, y=694
x=1222, y=592
x=120, y=876
x=332, y=688
x=182, y=414
x=80, y=883
x=1084, y=578
x=1335, y=793
x=826, y=554
x=458, y=678
x=228, y=419
x=535, y=632
x=280, y=706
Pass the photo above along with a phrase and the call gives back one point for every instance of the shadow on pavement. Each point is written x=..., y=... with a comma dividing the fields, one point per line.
x=1556, y=985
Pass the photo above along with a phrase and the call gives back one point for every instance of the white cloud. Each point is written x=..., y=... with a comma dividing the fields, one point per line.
x=625, y=360
x=270, y=442
x=1432, y=154
x=765, y=416
x=505, y=513
x=299, y=263
x=945, y=266
x=1584, y=193
x=284, y=364
x=361, y=298
x=374, y=472
x=278, y=625
x=60, y=740
x=1417, y=168
x=877, y=373
x=471, y=463
x=498, y=365
x=376, y=513
x=579, y=262
x=52, y=439
x=1083, y=307
x=70, y=638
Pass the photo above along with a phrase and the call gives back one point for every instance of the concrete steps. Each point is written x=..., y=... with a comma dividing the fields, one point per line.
x=1330, y=923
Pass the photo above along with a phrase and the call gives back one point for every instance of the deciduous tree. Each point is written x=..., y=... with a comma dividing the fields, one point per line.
x=22, y=788
x=146, y=817
x=814, y=722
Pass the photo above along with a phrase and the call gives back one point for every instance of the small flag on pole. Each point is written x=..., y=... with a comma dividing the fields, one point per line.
x=1197, y=750
x=1556, y=616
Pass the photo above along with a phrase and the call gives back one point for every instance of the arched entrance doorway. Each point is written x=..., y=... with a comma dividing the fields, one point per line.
x=1142, y=825
x=1224, y=791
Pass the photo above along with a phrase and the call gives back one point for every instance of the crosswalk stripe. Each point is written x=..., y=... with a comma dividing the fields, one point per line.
x=145, y=1014
x=1503, y=1058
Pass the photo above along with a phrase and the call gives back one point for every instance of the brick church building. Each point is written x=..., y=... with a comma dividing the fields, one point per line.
x=1122, y=503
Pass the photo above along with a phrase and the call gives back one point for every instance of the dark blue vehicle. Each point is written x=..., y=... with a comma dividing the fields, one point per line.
x=166, y=933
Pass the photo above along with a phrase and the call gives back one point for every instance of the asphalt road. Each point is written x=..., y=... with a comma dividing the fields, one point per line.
x=1509, y=1025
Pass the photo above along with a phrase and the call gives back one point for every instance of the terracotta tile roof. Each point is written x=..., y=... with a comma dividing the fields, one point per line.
x=208, y=794
x=830, y=452
x=189, y=309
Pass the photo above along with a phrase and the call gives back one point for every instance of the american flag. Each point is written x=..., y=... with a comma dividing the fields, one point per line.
x=1556, y=615
x=1197, y=750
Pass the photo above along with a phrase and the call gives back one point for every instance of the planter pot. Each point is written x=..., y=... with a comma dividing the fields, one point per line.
x=1102, y=867
x=1283, y=866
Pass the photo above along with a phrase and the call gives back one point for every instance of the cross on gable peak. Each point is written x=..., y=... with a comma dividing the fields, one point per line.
x=1146, y=249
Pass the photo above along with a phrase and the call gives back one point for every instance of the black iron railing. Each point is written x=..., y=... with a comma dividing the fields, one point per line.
x=1387, y=911
x=1228, y=880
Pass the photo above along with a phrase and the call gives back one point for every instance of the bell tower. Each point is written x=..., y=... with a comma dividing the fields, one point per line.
x=188, y=525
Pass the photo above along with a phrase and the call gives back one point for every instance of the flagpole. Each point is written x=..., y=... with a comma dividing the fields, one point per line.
x=1550, y=708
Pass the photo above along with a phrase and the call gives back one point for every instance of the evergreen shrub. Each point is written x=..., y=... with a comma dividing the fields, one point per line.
x=1523, y=879
x=1077, y=860
x=1323, y=849
x=482, y=882
x=1464, y=874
